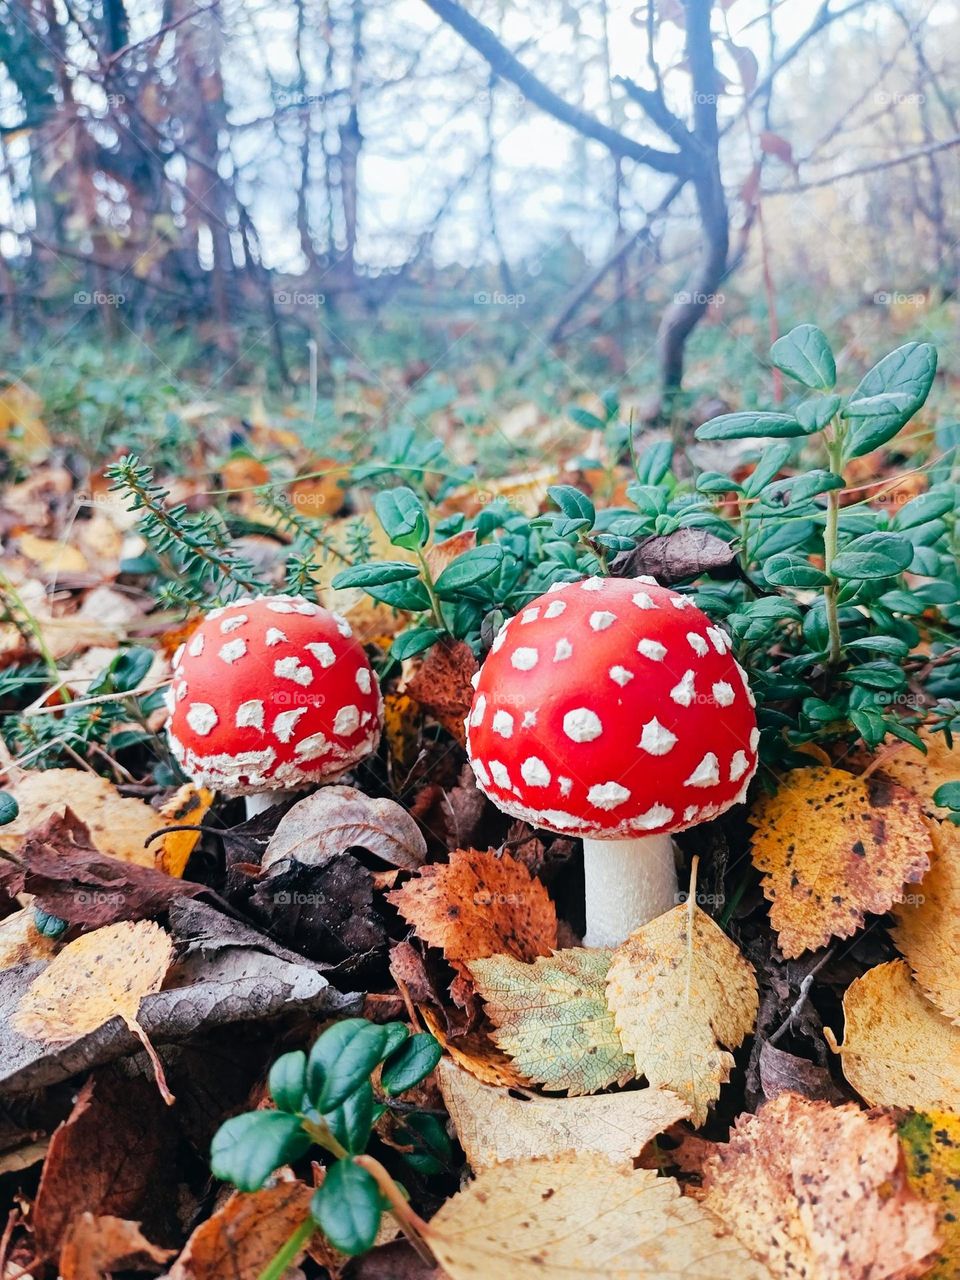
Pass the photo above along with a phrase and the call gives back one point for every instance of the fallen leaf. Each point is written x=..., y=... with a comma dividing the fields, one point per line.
x=118, y=826
x=897, y=1050
x=22, y=430
x=782, y=1072
x=679, y=989
x=212, y=987
x=581, y=1215
x=923, y=774
x=442, y=685
x=552, y=1019
x=74, y=881
x=107, y=1158
x=54, y=557
x=443, y=553
x=335, y=819
x=834, y=847
x=401, y=728
x=323, y=912
x=494, y=1126
x=97, y=1246
x=478, y=905
x=99, y=976
x=814, y=1190
x=244, y=1234
x=476, y=1053
x=673, y=557
x=21, y=941
x=931, y=1147
x=188, y=806
x=926, y=934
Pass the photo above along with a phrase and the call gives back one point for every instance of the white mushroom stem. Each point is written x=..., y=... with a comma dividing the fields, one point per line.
x=265, y=800
x=626, y=883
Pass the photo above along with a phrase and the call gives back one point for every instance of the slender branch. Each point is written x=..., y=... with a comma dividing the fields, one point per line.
x=877, y=167
x=541, y=95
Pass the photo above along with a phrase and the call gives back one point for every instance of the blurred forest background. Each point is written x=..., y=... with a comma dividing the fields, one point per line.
x=273, y=193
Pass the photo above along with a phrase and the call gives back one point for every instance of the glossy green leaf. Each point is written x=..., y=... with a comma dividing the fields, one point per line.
x=804, y=354
x=409, y=643
x=411, y=1063
x=789, y=570
x=351, y=1122
x=751, y=425
x=248, y=1148
x=341, y=1059
x=347, y=1208
x=888, y=396
x=814, y=414
x=9, y=809
x=287, y=1081
x=403, y=517
x=468, y=570
x=572, y=502
x=376, y=574
x=874, y=555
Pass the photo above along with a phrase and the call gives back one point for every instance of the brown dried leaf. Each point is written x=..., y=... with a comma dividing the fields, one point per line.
x=494, y=1126
x=672, y=557
x=478, y=905
x=814, y=1190
x=834, y=847
x=118, y=826
x=898, y=1050
x=582, y=1215
x=442, y=685
x=96, y=1246
x=335, y=819
x=476, y=1053
x=244, y=1234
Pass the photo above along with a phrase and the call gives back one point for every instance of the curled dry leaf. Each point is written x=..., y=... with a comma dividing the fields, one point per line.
x=99, y=976
x=476, y=1053
x=118, y=826
x=338, y=818
x=477, y=905
x=244, y=1234
x=494, y=1126
x=552, y=1018
x=95, y=1247
x=923, y=774
x=832, y=848
x=814, y=1190
x=186, y=807
x=931, y=1147
x=442, y=685
x=582, y=1215
x=21, y=942
x=679, y=989
x=672, y=557
x=898, y=1050
x=926, y=934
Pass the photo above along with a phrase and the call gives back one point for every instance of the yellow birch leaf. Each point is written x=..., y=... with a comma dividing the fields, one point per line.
x=679, y=989
x=494, y=1126
x=551, y=1018
x=819, y=1191
x=832, y=848
x=931, y=1145
x=898, y=1050
x=100, y=975
x=926, y=934
x=582, y=1215
x=921, y=773
x=118, y=826
x=186, y=807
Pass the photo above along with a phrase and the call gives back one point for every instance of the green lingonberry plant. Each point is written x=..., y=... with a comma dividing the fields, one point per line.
x=844, y=608
x=327, y=1099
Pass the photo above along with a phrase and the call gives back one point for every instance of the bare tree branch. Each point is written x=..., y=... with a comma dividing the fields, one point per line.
x=534, y=90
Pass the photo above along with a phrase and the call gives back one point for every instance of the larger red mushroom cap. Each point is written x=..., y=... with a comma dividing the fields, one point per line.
x=612, y=708
x=271, y=693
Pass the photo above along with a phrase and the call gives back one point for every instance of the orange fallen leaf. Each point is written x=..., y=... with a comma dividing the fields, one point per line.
x=442, y=685
x=479, y=904
x=834, y=847
x=244, y=1234
x=186, y=807
x=97, y=1246
x=99, y=976
x=921, y=773
x=476, y=1053
x=815, y=1190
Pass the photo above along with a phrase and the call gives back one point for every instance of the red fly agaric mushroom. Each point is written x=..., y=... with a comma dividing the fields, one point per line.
x=269, y=695
x=612, y=709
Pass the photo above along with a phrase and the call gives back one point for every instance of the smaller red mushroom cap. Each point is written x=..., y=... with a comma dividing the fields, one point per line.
x=612, y=708
x=271, y=693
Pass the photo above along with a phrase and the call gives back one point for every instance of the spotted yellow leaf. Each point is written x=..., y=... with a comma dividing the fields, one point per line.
x=931, y=1145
